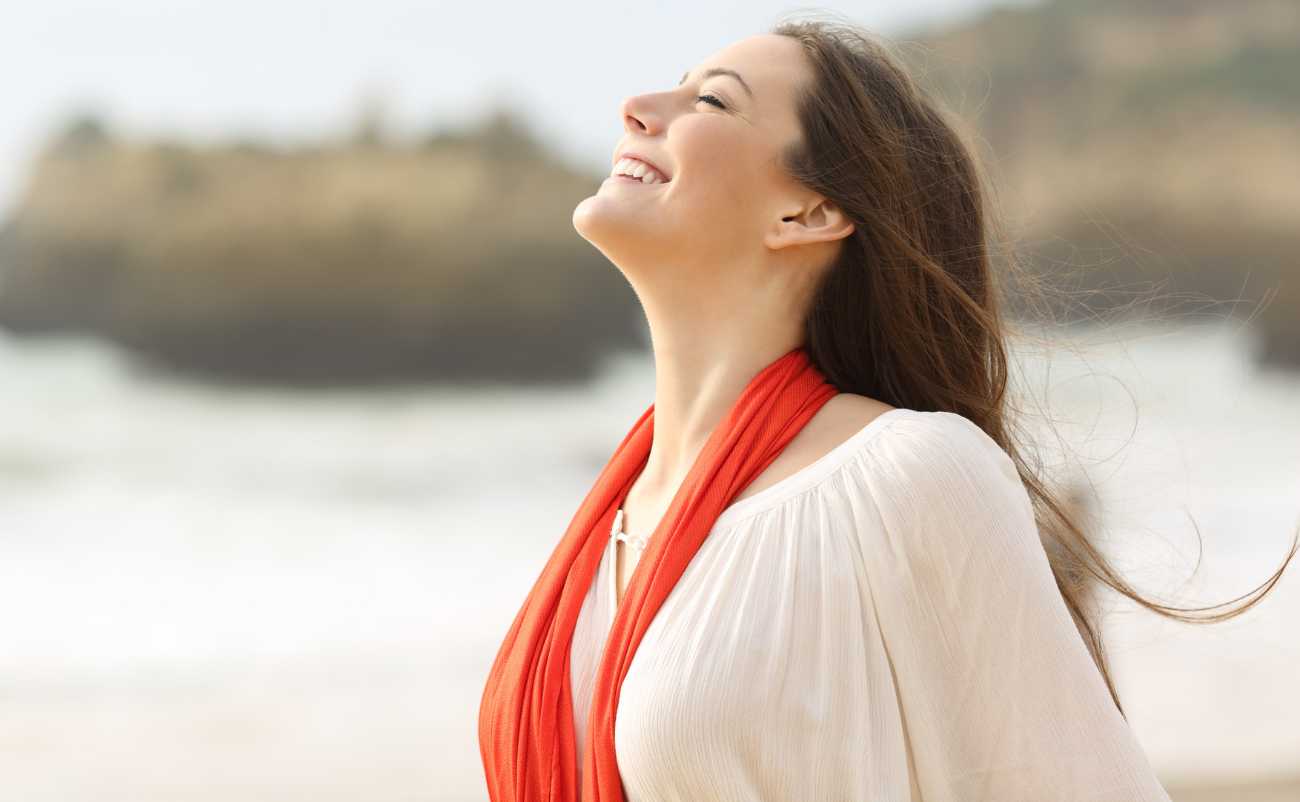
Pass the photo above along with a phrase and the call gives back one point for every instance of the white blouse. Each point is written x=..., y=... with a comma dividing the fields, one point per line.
x=880, y=626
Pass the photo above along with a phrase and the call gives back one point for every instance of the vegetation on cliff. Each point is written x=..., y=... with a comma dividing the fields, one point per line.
x=1145, y=148
x=454, y=257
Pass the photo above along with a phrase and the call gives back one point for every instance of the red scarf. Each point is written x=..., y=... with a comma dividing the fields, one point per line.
x=526, y=735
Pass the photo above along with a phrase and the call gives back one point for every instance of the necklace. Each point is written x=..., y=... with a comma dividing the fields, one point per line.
x=637, y=542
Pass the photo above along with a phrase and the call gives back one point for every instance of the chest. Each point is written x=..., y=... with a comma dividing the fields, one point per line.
x=762, y=663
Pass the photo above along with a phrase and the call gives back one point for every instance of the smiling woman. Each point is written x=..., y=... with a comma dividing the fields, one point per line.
x=851, y=586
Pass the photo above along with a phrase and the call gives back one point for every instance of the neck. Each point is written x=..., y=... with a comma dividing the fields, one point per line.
x=700, y=372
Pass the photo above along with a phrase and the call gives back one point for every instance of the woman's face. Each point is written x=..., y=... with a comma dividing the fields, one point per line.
x=716, y=137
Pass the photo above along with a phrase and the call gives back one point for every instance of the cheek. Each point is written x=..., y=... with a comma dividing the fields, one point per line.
x=723, y=166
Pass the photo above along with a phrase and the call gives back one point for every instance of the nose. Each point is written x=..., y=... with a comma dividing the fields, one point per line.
x=640, y=115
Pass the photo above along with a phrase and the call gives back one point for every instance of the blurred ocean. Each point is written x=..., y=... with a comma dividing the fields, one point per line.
x=227, y=593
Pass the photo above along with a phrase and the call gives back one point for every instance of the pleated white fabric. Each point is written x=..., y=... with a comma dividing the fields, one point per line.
x=880, y=626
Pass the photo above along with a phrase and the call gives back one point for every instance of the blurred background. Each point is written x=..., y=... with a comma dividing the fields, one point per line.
x=303, y=368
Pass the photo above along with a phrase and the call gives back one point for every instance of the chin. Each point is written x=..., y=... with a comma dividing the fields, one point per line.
x=602, y=220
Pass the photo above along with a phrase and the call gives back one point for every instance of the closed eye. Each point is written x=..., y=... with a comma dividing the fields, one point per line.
x=713, y=100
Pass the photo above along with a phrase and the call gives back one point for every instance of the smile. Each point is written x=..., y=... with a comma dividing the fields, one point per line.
x=632, y=169
x=627, y=179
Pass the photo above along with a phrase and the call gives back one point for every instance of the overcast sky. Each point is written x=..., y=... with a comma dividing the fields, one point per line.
x=293, y=71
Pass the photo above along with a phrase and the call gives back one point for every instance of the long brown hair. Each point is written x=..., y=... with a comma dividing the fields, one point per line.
x=910, y=311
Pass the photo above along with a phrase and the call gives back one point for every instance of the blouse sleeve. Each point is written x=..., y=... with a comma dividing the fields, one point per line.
x=1000, y=697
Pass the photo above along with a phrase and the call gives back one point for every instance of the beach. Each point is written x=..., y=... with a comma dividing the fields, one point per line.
x=217, y=594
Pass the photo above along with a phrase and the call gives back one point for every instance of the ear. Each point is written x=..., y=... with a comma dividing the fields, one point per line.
x=818, y=220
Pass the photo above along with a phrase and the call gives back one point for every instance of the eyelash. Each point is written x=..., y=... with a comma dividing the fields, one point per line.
x=713, y=101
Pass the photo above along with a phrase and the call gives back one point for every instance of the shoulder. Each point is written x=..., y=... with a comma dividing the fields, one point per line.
x=927, y=464
x=924, y=442
x=938, y=500
x=847, y=413
x=842, y=417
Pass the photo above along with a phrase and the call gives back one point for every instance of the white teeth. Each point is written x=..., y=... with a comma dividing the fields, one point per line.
x=639, y=170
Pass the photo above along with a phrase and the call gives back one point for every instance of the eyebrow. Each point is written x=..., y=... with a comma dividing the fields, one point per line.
x=712, y=71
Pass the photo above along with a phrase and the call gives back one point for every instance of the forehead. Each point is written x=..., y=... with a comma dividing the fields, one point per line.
x=771, y=65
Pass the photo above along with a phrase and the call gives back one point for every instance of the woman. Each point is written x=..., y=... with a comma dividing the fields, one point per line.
x=812, y=570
